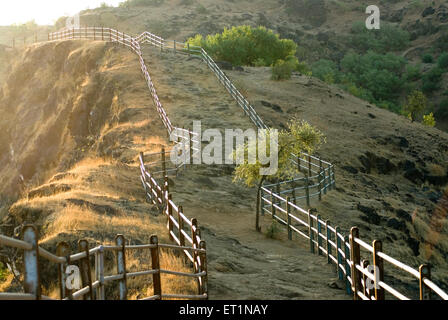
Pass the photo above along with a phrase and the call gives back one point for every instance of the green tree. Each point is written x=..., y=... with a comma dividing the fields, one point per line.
x=416, y=104
x=300, y=136
x=245, y=45
x=443, y=61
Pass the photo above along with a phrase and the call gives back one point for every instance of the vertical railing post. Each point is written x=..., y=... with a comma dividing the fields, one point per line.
x=155, y=262
x=425, y=273
x=204, y=279
x=319, y=235
x=273, y=212
x=31, y=262
x=310, y=231
x=163, y=162
x=181, y=227
x=194, y=229
x=339, y=254
x=299, y=167
x=307, y=192
x=63, y=250
x=121, y=266
x=169, y=211
x=355, y=258
x=190, y=137
x=86, y=275
x=288, y=213
x=310, y=174
x=347, y=265
x=328, y=244
x=379, y=269
x=100, y=277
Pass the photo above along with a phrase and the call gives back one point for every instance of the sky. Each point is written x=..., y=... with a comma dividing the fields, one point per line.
x=44, y=12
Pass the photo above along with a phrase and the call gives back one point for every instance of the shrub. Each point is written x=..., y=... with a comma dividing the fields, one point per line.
x=380, y=75
x=416, y=103
x=388, y=38
x=431, y=80
x=282, y=70
x=326, y=70
x=428, y=120
x=428, y=58
x=140, y=3
x=442, y=62
x=413, y=73
x=246, y=46
x=273, y=230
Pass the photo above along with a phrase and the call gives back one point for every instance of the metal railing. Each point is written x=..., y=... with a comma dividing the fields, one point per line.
x=95, y=288
x=345, y=251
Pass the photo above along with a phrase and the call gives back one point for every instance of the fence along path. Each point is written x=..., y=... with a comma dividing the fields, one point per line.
x=95, y=288
x=340, y=249
x=343, y=251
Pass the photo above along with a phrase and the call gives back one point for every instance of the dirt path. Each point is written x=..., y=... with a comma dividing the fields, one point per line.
x=243, y=264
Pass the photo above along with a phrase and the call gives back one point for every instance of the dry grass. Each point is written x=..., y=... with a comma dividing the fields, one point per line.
x=437, y=170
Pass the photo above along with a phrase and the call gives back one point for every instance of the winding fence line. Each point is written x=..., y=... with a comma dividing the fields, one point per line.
x=344, y=251
x=94, y=289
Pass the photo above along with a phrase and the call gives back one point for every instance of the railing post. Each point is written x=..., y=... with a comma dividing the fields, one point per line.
x=163, y=162
x=355, y=258
x=339, y=254
x=156, y=280
x=307, y=192
x=319, y=235
x=347, y=265
x=273, y=204
x=31, y=262
x=425, y=273
x=190, y=137
x=63, y=250
x=310, y=231
x=86, y=274
x=288, y=213
x=100, y=274
x=379, y=269
x=329, y=248
x=309, y=166
x=203, y=258
x=299, y=167
x=194, y=229
x=181, y=227
x=320, y=184
x=121, y=266
x=169, y=212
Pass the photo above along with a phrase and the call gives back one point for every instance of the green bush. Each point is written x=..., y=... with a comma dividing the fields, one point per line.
x=428, y=120
x=326, y=70
x=246, y=46
x=442, y=62
x=388, y=38
x=282, y=70
x=431, y=80
x=413, y=73
x=380, y=75
x=428, y=58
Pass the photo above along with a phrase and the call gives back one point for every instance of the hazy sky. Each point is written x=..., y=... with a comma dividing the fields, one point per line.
x=44, y=11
